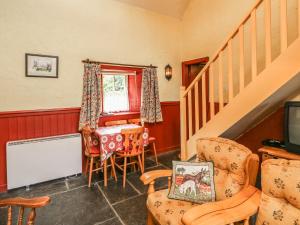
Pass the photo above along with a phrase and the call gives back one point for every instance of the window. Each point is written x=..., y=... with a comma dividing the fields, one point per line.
x=121, y=89
x=115, y=93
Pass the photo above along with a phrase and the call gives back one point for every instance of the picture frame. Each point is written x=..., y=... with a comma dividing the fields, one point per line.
x=45, y=66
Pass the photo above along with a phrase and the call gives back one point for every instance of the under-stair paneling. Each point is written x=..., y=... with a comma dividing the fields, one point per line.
x=270, y=127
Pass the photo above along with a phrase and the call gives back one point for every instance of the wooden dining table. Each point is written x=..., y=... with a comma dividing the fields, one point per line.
x=111, y=140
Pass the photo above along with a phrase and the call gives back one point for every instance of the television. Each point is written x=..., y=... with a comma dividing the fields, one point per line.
x=292, y=126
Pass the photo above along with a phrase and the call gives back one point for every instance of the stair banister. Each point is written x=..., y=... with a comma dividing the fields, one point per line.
x=187, y=103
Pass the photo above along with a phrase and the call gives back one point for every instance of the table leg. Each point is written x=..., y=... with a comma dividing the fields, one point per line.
x=105, y=172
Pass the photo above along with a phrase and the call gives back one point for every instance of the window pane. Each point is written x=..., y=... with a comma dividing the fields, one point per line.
x=115, y=93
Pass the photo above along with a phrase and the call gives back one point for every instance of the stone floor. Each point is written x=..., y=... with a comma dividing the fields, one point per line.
x=73, y=203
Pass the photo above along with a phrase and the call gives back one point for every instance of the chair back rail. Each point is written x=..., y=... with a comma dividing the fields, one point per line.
x=133, y=139
x=136, y=121
x=24, y=203
x=87, y=138
x=115, y=122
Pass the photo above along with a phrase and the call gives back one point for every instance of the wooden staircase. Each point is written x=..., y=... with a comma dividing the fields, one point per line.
x=221, y=109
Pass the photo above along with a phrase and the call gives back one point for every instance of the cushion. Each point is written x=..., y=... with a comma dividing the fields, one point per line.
x=192, y=182
x=94, y=150
x=229, y=160
x=167, y=211
x=280, y=201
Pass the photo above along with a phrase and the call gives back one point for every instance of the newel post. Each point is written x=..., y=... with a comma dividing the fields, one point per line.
x=183, y=137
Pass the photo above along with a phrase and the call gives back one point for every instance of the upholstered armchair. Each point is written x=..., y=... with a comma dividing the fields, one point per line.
x=235, y=168
x=279, y=203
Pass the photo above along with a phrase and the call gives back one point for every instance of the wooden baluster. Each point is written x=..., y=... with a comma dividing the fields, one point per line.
x=196, y=106
x=190, y=113
x=31, y=217
x=242, y=57
x=211, y=92
x=268, y=42
x=20, y=217
x=253, y=45
x=298, y=18
x=283, y=24
x=9, y=216
x=221, y=97
x=183, y=135
x=230, y=71
x=204, y=98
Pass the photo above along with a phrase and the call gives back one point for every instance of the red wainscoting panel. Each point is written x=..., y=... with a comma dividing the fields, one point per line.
x=167, y=133
x=33, y=124
x=271, y=127
x=21, y=125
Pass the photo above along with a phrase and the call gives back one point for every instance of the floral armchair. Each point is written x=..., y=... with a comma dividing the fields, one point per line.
x=279, y=203
x=235, y=169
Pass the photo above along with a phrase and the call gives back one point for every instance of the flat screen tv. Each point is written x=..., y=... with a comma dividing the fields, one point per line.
x=292, y=126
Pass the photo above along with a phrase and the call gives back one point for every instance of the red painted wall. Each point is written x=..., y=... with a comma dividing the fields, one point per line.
x=271, y=127
x=42, y=123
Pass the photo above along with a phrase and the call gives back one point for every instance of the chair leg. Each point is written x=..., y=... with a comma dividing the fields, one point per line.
x=141, y=164
x=105, y=172
x=86, y=165
x=124, y=172
x=143, y=161
x=113, y=169
x=149, y=219
x=155, y=154
x=91, y=170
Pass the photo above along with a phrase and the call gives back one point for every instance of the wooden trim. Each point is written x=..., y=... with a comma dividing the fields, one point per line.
x=38, y=112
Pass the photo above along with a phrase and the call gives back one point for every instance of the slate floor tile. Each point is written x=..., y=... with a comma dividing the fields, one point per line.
x=84, y=206
x=167, y=158
x=112, y=221
x=160, y=183
x=115, y=191
x=133, y=211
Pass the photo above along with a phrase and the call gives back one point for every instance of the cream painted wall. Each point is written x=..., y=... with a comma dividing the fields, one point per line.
x=103, y=30
x=207, y=24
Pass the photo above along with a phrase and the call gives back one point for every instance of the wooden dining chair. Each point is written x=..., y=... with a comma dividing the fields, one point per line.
x=115, y=122
x=92, y=154
x=152, y=140
x=24, y=203
x=133, y=148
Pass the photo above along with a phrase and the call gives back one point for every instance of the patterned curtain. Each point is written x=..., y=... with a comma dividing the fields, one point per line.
x=150, y=108
x=91, y=106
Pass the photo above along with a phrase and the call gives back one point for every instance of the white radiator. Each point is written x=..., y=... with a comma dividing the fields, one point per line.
x=37, y=160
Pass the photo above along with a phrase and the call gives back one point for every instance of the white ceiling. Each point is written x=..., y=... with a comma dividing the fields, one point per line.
x=174, y=8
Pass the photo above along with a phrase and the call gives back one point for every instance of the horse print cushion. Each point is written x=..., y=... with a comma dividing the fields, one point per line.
x=193, y=182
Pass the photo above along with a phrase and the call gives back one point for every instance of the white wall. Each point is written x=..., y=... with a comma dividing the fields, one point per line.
x=207, y=24
x=103, y=30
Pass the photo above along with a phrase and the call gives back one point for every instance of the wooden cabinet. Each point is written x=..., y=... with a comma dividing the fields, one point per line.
x=277, y=153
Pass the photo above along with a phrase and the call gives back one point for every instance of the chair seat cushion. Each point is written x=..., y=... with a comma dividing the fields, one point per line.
x=152, y=139
x=95, y=150
x=167, y=211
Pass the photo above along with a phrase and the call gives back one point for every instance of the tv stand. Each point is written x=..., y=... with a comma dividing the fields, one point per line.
x=277, y=153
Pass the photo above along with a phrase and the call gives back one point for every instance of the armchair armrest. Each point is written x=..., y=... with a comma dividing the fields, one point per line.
x=149, y=178
x=240, y=207
x=25, y=202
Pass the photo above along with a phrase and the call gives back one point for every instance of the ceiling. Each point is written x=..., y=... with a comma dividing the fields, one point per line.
x=174, y=8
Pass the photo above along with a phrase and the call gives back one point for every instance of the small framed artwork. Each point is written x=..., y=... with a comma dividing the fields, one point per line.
x=41, y=66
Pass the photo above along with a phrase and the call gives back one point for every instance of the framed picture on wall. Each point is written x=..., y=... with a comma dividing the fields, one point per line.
x=41, y=66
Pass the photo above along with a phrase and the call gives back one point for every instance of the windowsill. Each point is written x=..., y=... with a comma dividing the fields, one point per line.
x=119, y=114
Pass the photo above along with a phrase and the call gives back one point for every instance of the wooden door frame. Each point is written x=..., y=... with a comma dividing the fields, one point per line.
x=185, y=64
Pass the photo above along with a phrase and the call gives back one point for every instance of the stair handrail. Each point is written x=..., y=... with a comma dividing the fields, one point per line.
x=215, y=56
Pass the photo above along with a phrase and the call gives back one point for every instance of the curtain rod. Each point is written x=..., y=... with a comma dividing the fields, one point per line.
x=117, y=64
